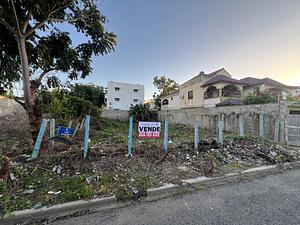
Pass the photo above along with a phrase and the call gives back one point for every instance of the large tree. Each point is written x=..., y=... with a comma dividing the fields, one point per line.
x=165, y=86
x=33, y=44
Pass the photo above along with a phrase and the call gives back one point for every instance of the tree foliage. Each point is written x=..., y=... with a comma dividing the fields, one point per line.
x=140, y=112
x=48, y=47
x=35, y=45
x=93, y=93
x=72, y=103
x=165, y=86
x=262, y=98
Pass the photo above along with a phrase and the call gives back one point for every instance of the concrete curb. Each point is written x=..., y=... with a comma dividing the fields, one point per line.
x=69, y=208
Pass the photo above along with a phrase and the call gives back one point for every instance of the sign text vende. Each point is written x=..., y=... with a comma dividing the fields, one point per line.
x=149, y=130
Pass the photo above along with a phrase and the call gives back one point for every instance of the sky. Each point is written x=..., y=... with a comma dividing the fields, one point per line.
x=180, y=38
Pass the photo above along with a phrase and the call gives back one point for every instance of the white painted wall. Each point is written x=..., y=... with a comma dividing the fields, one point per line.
x=125, y=94
x=174, y=102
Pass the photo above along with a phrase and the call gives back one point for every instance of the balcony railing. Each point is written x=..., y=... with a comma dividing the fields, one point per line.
x=231, y=93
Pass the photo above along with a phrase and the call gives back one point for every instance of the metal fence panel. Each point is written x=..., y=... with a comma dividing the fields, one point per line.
x=293, y=130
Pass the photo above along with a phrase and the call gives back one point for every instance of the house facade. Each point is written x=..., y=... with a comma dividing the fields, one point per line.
x=171, y=101
x=122, y=95
x=220, y=89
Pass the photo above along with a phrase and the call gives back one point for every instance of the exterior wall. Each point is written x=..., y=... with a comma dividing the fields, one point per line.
x=13, y=119
x=295, y=92
x=174, y=102
x=198, y=96
x=211, y=102
x=126, y=95
x=209, y=118
x=198, y=92
x=115, y=114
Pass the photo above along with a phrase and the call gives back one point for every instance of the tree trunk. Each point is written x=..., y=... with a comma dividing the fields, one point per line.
x=30, y=106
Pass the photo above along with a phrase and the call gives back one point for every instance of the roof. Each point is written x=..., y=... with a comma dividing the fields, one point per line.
x=204, y=74
x=251, y=81
x=230, y=101
x=222, y=78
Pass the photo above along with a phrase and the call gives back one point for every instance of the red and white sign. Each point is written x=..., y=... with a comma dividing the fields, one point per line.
x=149, y=129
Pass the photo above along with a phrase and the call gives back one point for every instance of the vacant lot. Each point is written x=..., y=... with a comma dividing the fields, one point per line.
x=62, y=175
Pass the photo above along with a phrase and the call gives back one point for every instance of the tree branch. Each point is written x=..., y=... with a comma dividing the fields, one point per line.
x=64, y=20
x=5, y=24
x=42, y=75
x=26, y=22
x=16, y=18
x=52, y=11
x=37, y=26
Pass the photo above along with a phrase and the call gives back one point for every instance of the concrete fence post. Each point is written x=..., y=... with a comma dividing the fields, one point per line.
x=52, y=132
x=277, y=131
x=261, y=125
x=86, y=136
x=241, y=123
x=221, y=134
x=197, y=123
x=130, y=136
x=39, y=140
x=166, y=133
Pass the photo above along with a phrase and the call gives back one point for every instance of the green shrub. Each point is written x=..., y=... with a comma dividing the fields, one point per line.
x=263, y=98
x=140, y=112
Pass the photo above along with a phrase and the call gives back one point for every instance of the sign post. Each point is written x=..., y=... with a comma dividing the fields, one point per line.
x=166, y=134
x=130, y=136
x=86, y=135
x=39, y=139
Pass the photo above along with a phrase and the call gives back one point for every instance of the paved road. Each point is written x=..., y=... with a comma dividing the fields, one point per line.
x=272, y=200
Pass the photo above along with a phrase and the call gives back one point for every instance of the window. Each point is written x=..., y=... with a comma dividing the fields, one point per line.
x=165, y=102
x=171, y=98
x=117, y=99
x=117, y=89
x=135, y=100
x=136, y=90
x=190, y=95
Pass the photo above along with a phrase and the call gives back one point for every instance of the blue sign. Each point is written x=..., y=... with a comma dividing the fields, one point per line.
x=66, y=131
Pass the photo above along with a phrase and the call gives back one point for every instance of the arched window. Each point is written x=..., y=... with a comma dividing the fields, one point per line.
x=165, y=102
x=211, y=92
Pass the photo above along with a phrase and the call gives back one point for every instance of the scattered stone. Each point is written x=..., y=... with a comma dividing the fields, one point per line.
x=12, y=177
x=53, y=192
x=30, y=191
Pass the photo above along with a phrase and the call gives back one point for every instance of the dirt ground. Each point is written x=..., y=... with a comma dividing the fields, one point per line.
x=62, y=175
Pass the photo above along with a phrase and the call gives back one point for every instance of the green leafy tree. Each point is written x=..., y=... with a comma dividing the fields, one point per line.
x=165, y=86
x=93, y=93
x=32, y=44
x=65, y=105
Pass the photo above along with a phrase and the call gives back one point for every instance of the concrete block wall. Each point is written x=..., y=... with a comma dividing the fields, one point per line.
x=209, y=118
x=116, y=114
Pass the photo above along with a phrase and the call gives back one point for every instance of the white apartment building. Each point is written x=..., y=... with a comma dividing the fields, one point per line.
x=122, y=95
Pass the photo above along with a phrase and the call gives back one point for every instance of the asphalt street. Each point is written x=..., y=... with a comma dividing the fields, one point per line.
x=271, y=200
